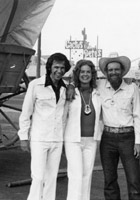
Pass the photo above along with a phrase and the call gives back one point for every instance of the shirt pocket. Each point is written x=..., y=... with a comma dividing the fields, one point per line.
x=45, y=100
x=125, y=104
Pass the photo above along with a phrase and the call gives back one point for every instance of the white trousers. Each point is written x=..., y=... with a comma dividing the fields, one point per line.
x=81, y=158
x=45, y=160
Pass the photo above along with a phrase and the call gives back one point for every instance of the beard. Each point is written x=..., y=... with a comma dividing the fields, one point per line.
x=115, y=83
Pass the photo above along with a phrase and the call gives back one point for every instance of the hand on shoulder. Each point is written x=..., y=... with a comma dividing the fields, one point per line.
x=70, y=92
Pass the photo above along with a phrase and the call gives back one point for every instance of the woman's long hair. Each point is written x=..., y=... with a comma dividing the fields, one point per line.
x=77, y=69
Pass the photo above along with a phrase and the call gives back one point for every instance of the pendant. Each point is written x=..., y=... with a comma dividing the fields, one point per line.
x=87, y=110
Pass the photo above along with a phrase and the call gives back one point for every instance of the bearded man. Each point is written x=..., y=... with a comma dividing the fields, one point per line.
x=121, y=133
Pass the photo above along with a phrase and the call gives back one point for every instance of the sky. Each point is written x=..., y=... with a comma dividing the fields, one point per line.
x=116, y=24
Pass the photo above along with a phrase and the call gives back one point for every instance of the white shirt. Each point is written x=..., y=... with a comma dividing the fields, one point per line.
x=73, y=112
x=121, y=108
x=42, y=118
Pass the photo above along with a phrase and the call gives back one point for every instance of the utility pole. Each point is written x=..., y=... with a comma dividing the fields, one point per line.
x=38, y=56
x=97, y=45
x=70, y=49
x=84, y=40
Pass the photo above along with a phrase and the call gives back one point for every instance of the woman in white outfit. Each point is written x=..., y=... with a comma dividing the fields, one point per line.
x=82, y=131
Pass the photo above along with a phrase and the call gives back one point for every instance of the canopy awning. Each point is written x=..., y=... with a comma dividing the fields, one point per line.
x=21, y=21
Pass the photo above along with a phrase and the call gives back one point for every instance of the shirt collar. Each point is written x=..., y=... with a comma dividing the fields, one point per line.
x=48, y=81
x=41, y=80
x=122, y=86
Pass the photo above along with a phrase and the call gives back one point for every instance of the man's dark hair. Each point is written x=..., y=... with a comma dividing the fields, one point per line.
x=57, y=57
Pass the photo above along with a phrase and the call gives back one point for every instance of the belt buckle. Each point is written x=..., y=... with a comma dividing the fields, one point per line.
x=116, y=130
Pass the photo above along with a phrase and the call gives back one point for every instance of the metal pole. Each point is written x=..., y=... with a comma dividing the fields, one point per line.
x=70, y=49
x=83, y=47
x=38, y=57
x=97, y=53
x=84, y=40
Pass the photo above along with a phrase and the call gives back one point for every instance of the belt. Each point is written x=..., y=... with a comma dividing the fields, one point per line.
x=118, y=129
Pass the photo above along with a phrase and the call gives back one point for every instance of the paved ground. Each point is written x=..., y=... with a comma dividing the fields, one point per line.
x=15, y=166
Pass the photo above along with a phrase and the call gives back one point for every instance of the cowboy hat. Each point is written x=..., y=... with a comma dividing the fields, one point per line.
x=125, y=61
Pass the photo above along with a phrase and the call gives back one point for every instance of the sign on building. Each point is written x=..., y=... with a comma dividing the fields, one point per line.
x=92, y=53
x=82, y=48
x=76, y=44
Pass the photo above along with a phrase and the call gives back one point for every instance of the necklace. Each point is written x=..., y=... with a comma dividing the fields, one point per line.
x=87, y=109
